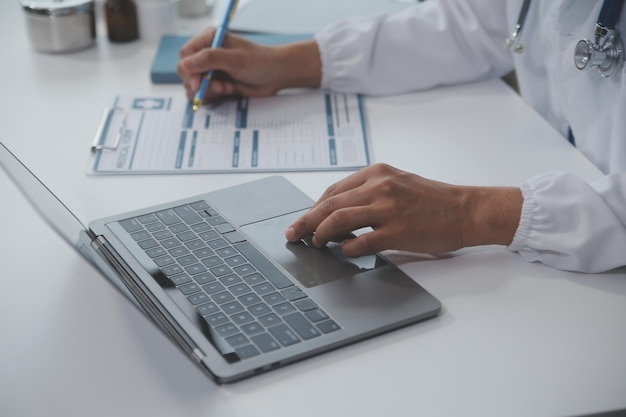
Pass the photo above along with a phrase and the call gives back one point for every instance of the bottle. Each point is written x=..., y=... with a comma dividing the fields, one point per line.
x=121, y=20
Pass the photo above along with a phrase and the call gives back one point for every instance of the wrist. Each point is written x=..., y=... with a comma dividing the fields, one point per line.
x=492, y=215
x=300, y=64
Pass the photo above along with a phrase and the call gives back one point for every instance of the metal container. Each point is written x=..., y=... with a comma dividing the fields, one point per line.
x=60, y=25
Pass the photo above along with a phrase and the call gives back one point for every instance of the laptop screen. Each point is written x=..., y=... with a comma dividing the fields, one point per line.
x=44, y=200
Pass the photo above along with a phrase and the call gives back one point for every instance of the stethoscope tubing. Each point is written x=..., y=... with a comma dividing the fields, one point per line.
x=610, y=13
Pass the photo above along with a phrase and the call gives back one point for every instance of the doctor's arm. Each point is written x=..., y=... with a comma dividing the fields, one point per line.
x=554, y=218
x=429, y=44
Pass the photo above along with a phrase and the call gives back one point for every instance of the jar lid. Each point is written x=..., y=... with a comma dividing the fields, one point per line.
x=56, y=7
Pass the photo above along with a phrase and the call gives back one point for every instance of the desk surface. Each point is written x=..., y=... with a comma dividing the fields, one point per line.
x=514, y=338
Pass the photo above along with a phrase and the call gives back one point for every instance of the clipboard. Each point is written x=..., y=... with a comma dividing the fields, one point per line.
x=103, y=127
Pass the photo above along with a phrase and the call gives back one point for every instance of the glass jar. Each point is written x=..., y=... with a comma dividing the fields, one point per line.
x=121, y=20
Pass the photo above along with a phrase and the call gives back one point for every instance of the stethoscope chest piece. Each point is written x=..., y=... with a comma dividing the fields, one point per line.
x=607, y=58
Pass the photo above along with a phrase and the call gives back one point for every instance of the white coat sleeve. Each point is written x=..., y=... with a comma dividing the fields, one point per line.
x=573, y=225
x=432, y=43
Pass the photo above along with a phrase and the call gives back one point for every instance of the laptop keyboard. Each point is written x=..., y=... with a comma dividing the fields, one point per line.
x=240, y=294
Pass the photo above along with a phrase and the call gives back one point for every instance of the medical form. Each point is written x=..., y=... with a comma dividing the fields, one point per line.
x=300, y=131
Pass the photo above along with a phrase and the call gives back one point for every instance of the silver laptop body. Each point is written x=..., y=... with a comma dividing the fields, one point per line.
x=216, y=274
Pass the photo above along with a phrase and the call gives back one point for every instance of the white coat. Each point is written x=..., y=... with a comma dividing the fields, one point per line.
x=566, y=222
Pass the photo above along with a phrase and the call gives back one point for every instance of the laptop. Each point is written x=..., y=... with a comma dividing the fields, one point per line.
x=215, y=273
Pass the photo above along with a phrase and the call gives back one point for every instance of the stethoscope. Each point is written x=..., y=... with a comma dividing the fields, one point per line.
x=605, y=52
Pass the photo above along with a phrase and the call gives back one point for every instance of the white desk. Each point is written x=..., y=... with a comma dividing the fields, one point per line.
x=514, y=339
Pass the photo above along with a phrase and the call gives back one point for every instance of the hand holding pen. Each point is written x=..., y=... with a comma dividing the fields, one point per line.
x=245, y=68
x=218, y=39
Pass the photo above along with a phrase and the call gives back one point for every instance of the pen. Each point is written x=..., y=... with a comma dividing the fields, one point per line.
x=218, y=39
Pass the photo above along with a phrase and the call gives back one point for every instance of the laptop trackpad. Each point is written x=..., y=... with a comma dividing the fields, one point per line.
x=309, y=265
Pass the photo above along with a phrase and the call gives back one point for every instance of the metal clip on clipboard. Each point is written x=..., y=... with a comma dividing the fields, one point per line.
x=99, y=142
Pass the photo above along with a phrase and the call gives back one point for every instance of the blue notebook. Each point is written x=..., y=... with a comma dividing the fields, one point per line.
x=163, y=69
